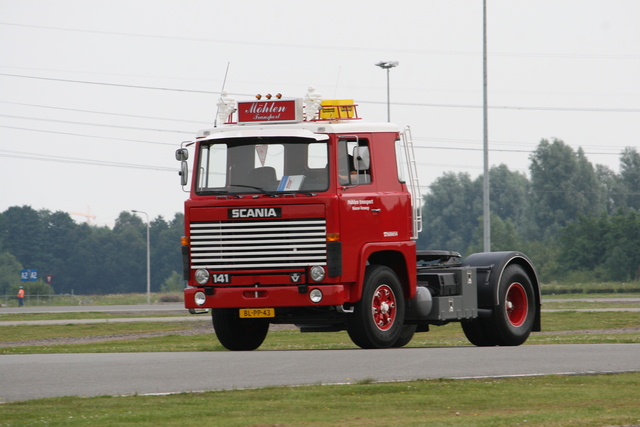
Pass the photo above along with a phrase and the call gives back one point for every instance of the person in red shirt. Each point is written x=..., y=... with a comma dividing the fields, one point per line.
x=20, y=297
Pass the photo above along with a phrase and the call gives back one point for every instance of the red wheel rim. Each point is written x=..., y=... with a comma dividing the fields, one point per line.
x=516, y=304
x=383, y=307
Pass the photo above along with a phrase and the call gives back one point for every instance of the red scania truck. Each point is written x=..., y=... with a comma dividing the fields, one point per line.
x=301, y=213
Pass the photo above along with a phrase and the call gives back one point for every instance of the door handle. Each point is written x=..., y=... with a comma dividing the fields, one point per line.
x=376, y=210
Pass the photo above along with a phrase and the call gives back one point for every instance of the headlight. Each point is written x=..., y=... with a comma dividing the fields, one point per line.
x=315, y=295
x=199, y=298
x=316, y=273
x=202, y=276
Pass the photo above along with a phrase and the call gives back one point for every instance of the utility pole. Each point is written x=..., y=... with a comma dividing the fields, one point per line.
x=148, y=258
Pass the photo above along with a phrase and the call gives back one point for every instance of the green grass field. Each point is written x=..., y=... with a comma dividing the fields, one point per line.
x=597, y=400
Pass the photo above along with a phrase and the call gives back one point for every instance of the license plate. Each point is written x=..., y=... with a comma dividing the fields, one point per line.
x=257, y=312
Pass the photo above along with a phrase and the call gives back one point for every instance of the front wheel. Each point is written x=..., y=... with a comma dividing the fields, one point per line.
x=238, y=334
x=377, y=320
x=512, y=320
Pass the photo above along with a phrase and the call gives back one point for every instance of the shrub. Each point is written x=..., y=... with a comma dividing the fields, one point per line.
x=171, y=298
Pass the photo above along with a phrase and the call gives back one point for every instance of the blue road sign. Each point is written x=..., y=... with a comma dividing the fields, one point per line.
x=29, y=275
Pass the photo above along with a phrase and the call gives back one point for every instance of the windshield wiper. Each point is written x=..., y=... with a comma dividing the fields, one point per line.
x=304, y=193
x=275, y=193
x=219, y=193
x=260, y=189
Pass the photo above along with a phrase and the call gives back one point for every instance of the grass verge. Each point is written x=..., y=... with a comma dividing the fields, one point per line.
x=590, y=288
x=559, y=328
x=76, y=330
x=7, y=317
x=596, y=400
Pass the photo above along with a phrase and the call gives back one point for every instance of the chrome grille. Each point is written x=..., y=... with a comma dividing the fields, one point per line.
x=223, y=245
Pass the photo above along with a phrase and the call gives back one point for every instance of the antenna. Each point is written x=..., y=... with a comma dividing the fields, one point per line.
x=224, y=82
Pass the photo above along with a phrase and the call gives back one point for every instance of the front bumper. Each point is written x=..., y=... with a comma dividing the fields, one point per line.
x=258, y=297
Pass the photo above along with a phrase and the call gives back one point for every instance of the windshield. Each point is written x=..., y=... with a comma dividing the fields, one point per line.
x=268, y=165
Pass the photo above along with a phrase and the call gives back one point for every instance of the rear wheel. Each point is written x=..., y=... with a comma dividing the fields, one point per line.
x=516, y=313
x=406, y=335
x=479, y=332
x=512, y=320
x=238, y=334
x=378, y=317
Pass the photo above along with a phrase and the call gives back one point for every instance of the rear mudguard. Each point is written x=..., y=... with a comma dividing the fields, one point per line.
x=490, y=266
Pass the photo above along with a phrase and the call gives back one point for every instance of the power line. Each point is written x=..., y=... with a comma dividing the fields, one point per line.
x=110, y=84
x=173, y=144
x=61, y=159
x=328, y=47
x=104, y=112
x=88, y=136
x=502, y=150
x=94, y=124
x=410, y=104
x=498, y=150
x=510, y=107
x=476, y=142
x=102, y=73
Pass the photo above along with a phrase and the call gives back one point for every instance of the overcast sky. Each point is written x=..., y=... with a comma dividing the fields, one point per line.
x=95, y=96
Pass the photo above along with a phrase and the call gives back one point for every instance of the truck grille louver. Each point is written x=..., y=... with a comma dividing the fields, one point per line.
x=221, y=245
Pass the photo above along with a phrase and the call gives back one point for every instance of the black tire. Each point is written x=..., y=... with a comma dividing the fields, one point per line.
x=479, y=332
x=378, y=317
x=512, y=320
x=238, y=334
x=406, y=335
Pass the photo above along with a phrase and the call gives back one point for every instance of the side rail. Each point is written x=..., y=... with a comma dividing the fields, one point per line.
x=414, y=184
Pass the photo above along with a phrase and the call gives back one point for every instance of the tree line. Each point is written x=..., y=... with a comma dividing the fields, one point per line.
x=575, y=220
x=88, y=259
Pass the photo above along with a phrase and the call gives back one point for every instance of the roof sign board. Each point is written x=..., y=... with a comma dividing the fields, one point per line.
x=270, y=111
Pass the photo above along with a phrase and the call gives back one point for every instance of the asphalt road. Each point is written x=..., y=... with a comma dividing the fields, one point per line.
x=24, y=377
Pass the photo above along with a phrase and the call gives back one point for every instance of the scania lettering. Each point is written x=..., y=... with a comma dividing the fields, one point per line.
x=255, y=213
x=301, y=213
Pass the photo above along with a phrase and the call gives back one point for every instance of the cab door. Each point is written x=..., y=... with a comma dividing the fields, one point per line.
x=361, y=209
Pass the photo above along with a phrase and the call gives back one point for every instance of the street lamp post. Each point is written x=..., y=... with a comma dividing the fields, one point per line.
x=387, y=65
x=486, y=212
x=148, y=258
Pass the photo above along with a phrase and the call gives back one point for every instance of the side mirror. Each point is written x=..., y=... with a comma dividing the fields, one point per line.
x=184, y=172
x=361, y=158
x=182, y=154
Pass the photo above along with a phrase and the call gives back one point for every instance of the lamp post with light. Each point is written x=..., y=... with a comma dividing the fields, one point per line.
x=387, y=65
x=148, y=258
